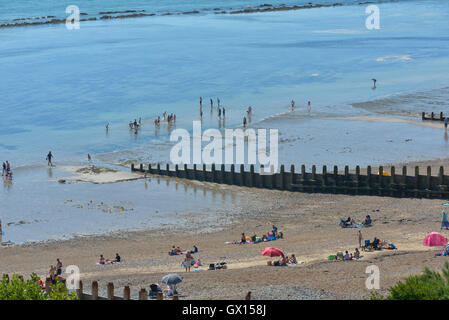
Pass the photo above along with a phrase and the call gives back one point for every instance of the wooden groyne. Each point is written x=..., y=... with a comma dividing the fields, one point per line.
x=433, y=116
x=370, y=183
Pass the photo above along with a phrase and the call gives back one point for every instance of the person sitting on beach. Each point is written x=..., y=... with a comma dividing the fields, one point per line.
x=198, y=262
x=195, y=249
x=346, y=256
x=367, y=220
x=293, y=259
x=52, y=274
x=356, y=253
x=117, y=257
x=243, y=238
x=376, y=243
x=177, y=250
x=102, y=260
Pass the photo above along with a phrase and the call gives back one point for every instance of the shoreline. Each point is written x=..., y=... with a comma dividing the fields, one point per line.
x=111, y=15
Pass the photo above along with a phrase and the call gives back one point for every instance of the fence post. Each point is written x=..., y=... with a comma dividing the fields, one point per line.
x=222, y=173
x=370, y=181
x=94, y=290
x=251, y=175
x=242, y=175
x=141, y=167
x=132, y=167
x=292, y=176
x=232, y=173
x=158, y=168
x=213, y=172
x=79, y=291
x=194, y=172
x=423, y=115
x=282, y=178
x=185, y=171
x=143, y=294
x=441, y=175
x=126, y=293
x=110, y=291
x=335, y=179
x=48, y=284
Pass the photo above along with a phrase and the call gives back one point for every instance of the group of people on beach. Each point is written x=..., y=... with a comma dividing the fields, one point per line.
x=109, y=261
x=270, y=236
x=284, y=260
x=55, y=271
x=292, y=105
x=220, y=109
x=6, y=170
x=170, y=118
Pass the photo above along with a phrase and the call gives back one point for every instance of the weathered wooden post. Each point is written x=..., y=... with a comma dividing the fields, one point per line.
x=48, y=284
x=79, y=291
x=242, y=175
x=423, y=115
x=149, y=168
x=281, y=182
x=132, y=167
x=141, y=167
x=251, y=176
x=292, y=176
x=176, y=171
x=429, y=181
x=347, y=180
x=194, y=172
x=213, y=172
x=432, y=116
x=357, y=179
x=368, y=176
x=94, y=290
x=417, y=181
x=441, y=175
x=335, y=179
x=110, y=290
x=158, y=168
x=222, y=173
x=143, y=294
x=167, y=168
x=324, y=184
x=313, y=177
x=381, y=180
x=126, y=293
x=204, y=172
x=232, y=174
x=185, y=171
x=261, y=176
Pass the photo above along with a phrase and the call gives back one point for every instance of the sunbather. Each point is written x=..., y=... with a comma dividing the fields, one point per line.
x=356, y=253
x=293, y=259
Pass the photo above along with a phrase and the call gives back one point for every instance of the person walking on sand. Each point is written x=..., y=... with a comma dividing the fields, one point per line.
x=58, y=267
x=49, y=157
x=360, y=237
x=444, y=222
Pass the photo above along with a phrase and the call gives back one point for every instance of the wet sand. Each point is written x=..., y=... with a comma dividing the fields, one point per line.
x=310, y=226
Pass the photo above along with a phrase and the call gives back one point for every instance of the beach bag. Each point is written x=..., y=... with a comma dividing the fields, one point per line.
x=332, y=257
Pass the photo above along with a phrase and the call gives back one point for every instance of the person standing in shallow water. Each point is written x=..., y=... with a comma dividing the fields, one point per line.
x=244, y=122
x=211, y=104
x=49, y=157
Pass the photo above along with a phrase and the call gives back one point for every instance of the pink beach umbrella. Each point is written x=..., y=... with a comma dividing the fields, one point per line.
x=434, y=239
x=272, y=252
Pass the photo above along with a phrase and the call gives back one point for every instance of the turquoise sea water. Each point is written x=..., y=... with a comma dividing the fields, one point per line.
x=60, y=87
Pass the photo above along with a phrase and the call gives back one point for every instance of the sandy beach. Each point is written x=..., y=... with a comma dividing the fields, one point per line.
x=309, y=223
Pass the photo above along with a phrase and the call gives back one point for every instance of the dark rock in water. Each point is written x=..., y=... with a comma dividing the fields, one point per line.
x=191, y=12
x=61, y=181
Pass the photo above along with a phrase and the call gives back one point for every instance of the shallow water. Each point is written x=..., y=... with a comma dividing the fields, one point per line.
x=59, y=88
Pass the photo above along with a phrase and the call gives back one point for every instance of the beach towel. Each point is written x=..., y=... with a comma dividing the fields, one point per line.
x=106, y=262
